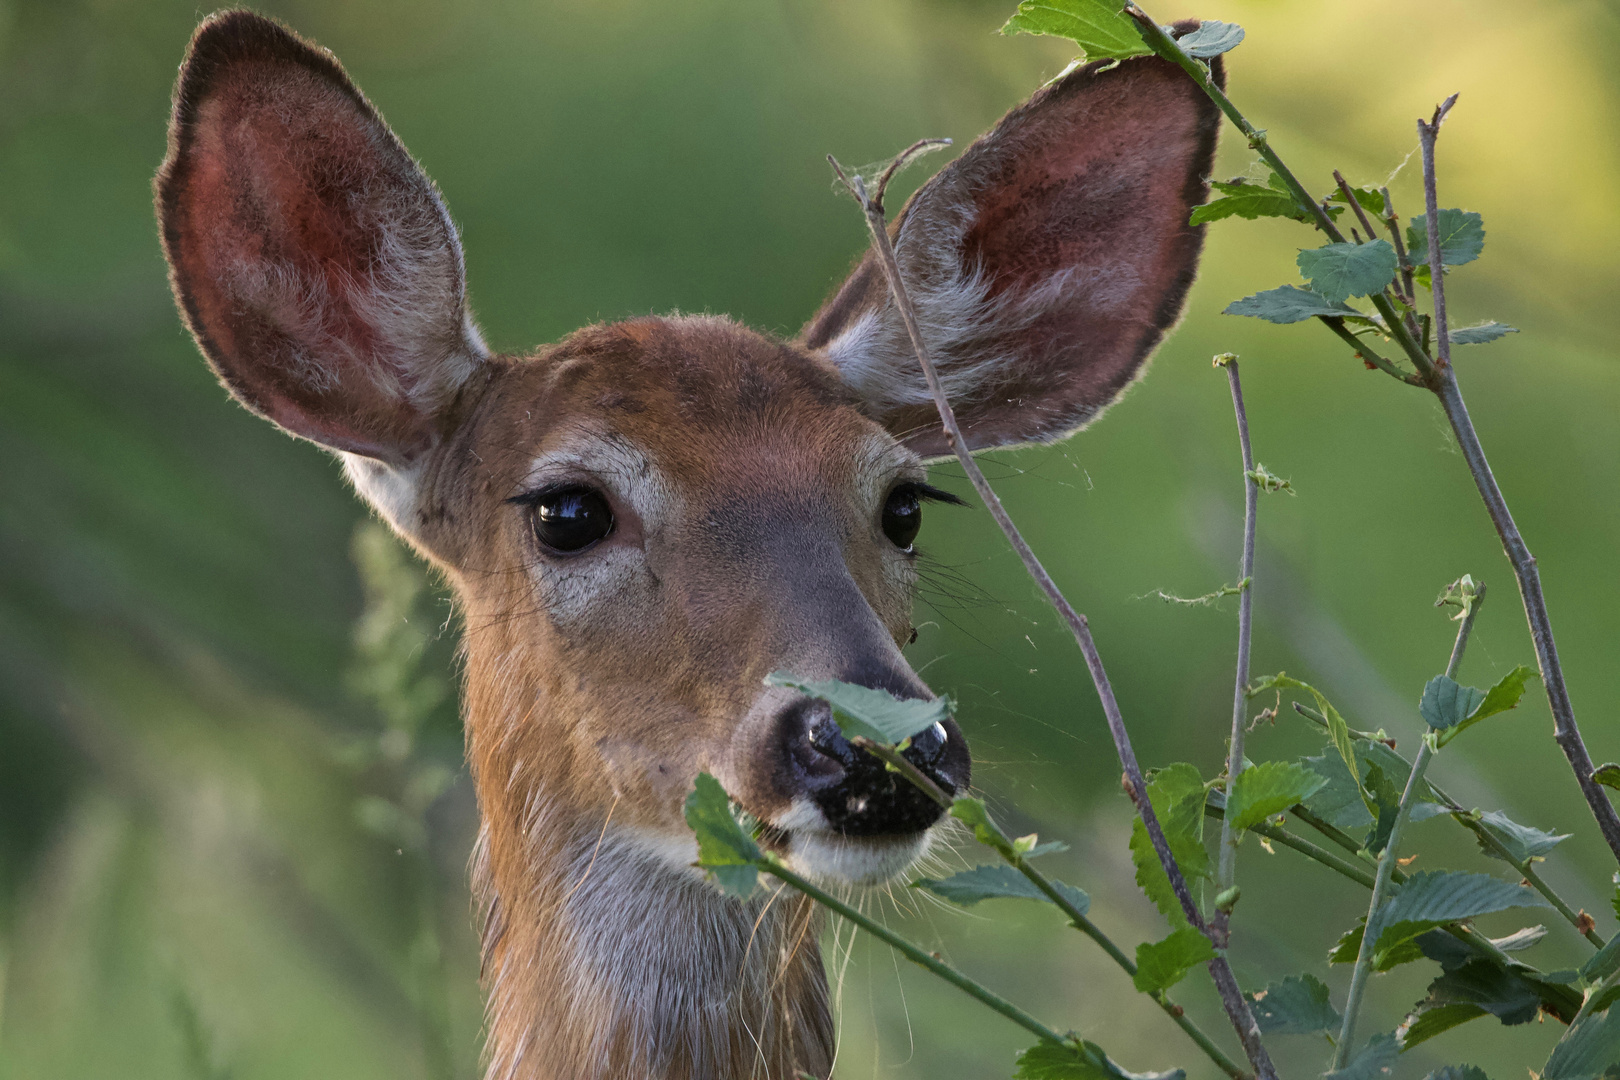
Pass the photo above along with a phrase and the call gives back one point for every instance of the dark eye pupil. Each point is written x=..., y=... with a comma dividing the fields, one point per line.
x=902, y=517
x=572, y=520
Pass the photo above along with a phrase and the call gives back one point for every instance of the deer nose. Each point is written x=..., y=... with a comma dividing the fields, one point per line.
x=855, y=792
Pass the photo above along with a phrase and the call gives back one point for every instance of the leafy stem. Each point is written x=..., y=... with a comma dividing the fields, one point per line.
x=1440, y=378
x=1236, y=1005
x=774, y=867
x=1226, y=874
x=1386, y=859
x=1004, y=847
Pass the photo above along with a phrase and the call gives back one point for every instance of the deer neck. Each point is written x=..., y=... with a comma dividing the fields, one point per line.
x=604, y=957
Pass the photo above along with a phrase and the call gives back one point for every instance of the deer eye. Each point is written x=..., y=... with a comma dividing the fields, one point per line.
x=569, y=520
x=902, y=516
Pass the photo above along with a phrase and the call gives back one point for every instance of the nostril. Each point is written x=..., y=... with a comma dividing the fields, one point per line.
x=928, y=746
x=820, y=749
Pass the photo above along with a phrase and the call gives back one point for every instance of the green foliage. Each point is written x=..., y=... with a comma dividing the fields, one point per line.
x=1607, y=774
x=1500, y=698
x=1433, y=898
x=1249, y=199
x=1177, y=796
x=1269, y=483
x=1482, y=334
x=1462, y=237
x=725, y=849
x=1385, y=799
x=1161, y=964
x=1340, y=271
x=1375, y=1061
x=863, y=712
x=1096, y=26
x=1370, y=199
x=1457, y=1072
x=1523, y=843
x=1078, y=1060
x=1298, y=1005
x=1269, y=788
x=1589, y=1050
x=1348, y=947
x=1211, y=39
x=1289, y=304
x=1338, y=730
x=1447, y=703
x=998, y=880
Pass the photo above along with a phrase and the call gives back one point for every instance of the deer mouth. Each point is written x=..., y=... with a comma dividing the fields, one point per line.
x=835, y=858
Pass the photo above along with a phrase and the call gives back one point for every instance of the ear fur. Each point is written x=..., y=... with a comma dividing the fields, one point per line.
x=313, y=261
x=1046, y=263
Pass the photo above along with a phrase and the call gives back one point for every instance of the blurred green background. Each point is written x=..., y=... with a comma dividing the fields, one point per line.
x=233, y=817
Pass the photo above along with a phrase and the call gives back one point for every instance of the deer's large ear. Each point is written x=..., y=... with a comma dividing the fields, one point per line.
x=1045, y=263
x=314, y=262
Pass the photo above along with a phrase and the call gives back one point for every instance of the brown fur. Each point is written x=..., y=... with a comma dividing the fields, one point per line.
x=321, y=276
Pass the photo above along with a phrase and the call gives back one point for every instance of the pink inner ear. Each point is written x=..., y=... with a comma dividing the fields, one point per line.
x=1072, y=217
x=315, y=263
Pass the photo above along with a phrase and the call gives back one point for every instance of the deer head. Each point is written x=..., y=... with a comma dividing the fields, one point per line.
x=642, y=521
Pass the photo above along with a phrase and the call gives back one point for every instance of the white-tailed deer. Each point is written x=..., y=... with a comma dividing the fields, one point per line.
x=643, y=520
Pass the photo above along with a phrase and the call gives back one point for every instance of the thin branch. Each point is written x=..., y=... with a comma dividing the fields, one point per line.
x=1437, y=262
x=1566, y=732
x=1366, y=353
x=1237, y=1007
x=1226, y=873
x=1003, y=845
x=1486, y=838
x=913, y=953
x=1166, y=48
x=1407, y=286
x=1353, y=871
x=1354, y=204
x=1386, y=859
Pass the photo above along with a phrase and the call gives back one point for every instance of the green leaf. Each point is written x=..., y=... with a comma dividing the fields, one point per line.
x=1298, y=1005
x=873, y=714
x=1340, y=801
x=1211, y=39
x=1447, y=703
x=1348, y=948
x=1080, y=1060
x=1177, y=796
x=1051, y=847
x=1505, y=695
x=1522, y=841
x=1099, y=27
x=1426, y=1023
x=1520, y=939
x=1371, y=199
x=1458, y=1072
x=1470, y=977
x=1435, y=897
x=1607, y=774
x=1340, y=271
x=1481, y=334
x=725, y=849
x=974, y=815
x=1376, y=1061
x=1247, y=199
x=1269, y=788
x=1589, y=1049
x=1161, y=964
x=1603, y=962
x=995, y=881
x=1462, y=237
x=1386, y=806
x=1338, y=730
x=1288, y=304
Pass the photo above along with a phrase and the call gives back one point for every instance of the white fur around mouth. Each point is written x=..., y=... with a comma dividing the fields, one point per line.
x=833, y=858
